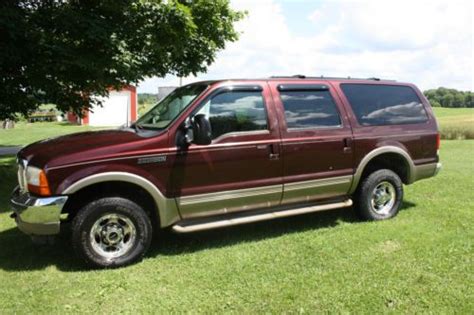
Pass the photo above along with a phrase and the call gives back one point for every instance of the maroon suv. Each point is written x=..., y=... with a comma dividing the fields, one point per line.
x=219, y=153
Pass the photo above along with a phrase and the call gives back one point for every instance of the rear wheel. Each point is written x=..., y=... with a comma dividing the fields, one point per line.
x=111, y=232
x=380, y=195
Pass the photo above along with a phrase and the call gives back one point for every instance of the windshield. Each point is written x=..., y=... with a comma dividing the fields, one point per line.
x=163, y=113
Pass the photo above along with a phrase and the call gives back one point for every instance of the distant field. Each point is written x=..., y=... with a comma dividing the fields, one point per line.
x=455, y=123
x=25, y=133
x=448, y=113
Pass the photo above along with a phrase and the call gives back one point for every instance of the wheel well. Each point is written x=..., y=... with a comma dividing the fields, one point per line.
x=112, y=189
x=392, y=161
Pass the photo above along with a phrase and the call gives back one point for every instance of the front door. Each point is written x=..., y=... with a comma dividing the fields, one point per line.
x=241, y=169
x=316, y=142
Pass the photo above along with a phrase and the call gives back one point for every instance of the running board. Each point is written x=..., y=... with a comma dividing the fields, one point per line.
x=257, y=217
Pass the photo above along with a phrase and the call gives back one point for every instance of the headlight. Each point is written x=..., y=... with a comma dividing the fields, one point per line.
x=37, y=181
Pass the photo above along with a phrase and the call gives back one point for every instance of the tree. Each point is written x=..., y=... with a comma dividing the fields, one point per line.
x=458, y=100
x=469, y=100
x=68, y=52
x=449, y=97
x=435, y=103
x=447, y=100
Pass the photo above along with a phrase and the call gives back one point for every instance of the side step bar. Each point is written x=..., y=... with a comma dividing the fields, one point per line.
x=257, y=217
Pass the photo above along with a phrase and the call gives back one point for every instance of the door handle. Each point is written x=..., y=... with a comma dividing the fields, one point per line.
x=274, y=151
x=347, y=145
x=274, y=156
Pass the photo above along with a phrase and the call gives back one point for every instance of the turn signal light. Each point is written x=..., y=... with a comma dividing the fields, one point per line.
x=42, y=186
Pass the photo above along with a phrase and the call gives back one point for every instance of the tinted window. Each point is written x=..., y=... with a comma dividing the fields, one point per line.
x=384, y=104
x=235, y=112
x=309, y=109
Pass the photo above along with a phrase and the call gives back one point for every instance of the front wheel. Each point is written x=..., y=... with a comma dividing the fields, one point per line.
x=111, y=232
x=379, y=196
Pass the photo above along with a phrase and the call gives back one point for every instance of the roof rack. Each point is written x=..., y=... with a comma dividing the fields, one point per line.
x=301, y=76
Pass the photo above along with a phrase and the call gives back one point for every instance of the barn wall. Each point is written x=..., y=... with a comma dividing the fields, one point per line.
x=132, y=114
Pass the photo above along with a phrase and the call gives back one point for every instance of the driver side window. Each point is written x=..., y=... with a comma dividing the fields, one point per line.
x=238, y=111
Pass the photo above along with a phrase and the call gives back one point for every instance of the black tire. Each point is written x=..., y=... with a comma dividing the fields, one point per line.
x=363, y=198
x=115, y=212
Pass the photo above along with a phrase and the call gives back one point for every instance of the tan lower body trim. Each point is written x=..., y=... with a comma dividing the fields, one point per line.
x=316, y=189
x=229, y=201
x=262, y=197
x=167, y=210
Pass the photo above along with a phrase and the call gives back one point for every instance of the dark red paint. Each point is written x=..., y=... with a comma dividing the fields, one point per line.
x=235, y=162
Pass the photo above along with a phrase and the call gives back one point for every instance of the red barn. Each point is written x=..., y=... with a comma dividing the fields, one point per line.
x=118, y=109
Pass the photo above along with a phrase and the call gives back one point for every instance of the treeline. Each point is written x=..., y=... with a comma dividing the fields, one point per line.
x=443, y=97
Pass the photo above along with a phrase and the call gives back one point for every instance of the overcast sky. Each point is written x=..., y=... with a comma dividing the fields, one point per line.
x=429, y=43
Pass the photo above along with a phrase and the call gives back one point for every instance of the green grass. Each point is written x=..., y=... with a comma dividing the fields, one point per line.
x=455, y=123
x=25, y=133
x=419, y=262
x=443, y=113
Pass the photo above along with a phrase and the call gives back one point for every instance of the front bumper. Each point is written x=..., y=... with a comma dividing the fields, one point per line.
x=37, y=216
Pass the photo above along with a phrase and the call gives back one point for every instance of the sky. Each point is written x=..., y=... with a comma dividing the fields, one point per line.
x=429, y=43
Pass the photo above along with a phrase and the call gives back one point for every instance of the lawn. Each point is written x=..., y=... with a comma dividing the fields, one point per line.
x=455, y=123
x=421, y=261
x=25, y=133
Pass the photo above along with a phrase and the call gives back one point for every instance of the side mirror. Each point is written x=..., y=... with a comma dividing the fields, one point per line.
x=201, y=130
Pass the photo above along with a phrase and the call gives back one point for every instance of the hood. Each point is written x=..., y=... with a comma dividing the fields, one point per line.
x=78, y=147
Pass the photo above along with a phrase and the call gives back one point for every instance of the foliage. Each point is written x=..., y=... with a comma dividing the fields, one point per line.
x=443, y=97
x=145, y=100
x=327, y=262
x=71, y=51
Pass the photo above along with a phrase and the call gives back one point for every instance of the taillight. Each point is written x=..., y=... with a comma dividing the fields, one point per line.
x=438, y=141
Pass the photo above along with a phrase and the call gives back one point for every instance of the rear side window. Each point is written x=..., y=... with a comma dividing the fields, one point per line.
x=384, y=104
x=230, y=112
x=309, y=109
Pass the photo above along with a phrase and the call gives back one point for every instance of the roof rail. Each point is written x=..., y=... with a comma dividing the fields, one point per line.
x=301, y=76
x=297, y=76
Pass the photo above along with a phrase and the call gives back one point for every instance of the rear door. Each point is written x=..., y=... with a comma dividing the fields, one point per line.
x=316, y=141
x=241, y=168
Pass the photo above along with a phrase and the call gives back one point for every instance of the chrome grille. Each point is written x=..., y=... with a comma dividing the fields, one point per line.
x=22, y=175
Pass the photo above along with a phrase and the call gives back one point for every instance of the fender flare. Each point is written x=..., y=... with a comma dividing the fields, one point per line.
x=167, y=210
x=376, y=152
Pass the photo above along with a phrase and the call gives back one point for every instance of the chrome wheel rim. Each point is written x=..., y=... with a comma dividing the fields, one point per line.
x=383, y=198
x=112, y=235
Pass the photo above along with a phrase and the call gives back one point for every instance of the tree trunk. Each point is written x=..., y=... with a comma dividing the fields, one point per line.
x=8, y=124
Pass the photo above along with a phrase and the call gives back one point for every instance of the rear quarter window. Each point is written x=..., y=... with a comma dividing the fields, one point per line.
x=375, y=105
